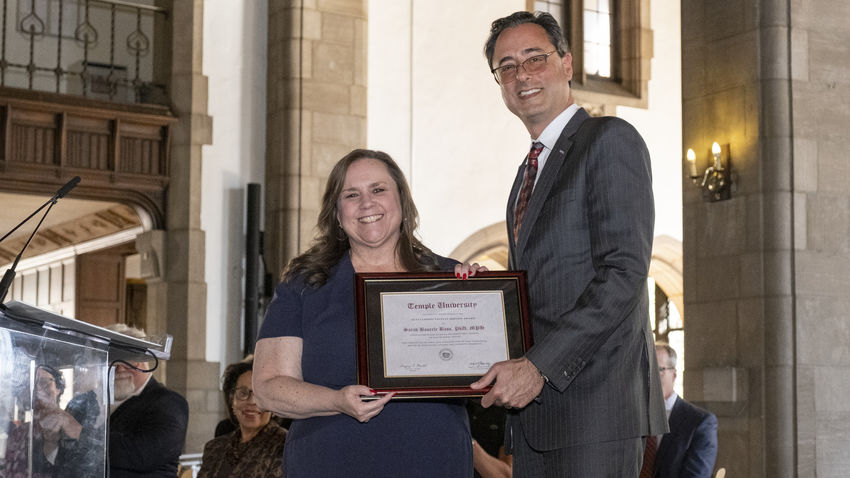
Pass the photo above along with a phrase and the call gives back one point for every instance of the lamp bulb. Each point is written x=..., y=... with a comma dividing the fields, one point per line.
x=692, y=163
x=715, y=148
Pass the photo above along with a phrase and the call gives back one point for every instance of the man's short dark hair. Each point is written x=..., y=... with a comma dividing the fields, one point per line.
x=544, y=19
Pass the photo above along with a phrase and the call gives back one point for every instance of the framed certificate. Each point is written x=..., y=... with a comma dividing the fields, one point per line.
x=431, y=335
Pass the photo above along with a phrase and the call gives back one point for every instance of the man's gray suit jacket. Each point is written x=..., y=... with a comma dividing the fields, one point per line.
x=586, y=242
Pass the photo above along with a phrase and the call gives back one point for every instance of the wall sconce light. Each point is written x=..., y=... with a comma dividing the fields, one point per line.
x=716, y=181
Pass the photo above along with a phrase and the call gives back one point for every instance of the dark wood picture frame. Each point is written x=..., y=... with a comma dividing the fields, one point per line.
x=370, y=333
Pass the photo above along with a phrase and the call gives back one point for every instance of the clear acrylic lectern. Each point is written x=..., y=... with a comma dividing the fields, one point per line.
x=54, y=391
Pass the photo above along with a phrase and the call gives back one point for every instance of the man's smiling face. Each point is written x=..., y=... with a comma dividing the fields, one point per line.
x=537, y=98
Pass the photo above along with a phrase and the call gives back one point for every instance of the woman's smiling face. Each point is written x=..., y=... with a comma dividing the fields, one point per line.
x=249, y=416
x=369, y=208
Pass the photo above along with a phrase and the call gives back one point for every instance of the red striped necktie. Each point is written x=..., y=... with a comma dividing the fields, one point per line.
x=527, y=187
x=648, y=467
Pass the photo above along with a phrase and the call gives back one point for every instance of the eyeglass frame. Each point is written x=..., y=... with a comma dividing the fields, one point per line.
x=517, y=67
x=248, y=392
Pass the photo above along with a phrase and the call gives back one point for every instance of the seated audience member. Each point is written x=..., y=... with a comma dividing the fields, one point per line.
x=61, y=446
x=228, y=425
x=147, y=425
x=255, y=447
x=690, y=449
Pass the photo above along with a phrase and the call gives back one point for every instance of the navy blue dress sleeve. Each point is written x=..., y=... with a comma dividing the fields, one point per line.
x=283, y=317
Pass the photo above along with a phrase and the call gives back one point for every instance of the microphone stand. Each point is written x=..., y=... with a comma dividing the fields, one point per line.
x=59, y=195
x=9, y=276
x=49, y=201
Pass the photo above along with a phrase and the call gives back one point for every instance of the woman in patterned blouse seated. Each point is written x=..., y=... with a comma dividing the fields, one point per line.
x=255, y=448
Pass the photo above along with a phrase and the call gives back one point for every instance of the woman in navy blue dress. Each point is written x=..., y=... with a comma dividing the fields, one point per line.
x=305, y=359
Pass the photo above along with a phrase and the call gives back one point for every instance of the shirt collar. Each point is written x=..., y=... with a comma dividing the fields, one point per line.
x=553, y=130
x=670, y=401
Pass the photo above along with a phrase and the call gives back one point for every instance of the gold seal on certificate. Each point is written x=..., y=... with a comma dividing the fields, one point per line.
x=431, y=335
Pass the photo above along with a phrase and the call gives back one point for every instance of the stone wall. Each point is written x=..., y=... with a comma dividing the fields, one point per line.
x=820, y=100
x=723, y=241
x=765, y=272
x=316, y=112
x=177, y=301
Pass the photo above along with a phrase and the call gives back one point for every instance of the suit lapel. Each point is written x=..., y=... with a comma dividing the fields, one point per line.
x=557, y=158
x=512, y=197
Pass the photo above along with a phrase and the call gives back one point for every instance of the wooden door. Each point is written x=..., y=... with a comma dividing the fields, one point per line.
x=101, y=286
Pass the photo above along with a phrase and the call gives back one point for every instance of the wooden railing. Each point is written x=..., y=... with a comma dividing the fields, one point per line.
x=121, y=152
x=99, y=49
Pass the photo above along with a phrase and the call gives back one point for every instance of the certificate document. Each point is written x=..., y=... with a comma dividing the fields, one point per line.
x=456, y=333
x=429, y=334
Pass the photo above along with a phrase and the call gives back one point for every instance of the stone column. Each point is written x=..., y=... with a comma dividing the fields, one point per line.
x=724, y=242
x=819, y=52
x=767, y=315
x=316, y=112
x=183, y=289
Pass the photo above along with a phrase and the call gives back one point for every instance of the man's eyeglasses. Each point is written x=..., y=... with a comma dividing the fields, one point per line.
x=242, y=393
x=507, y=73
x=662, y=369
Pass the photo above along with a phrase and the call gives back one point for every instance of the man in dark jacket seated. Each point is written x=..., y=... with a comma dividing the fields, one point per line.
x=147, y=423
x=690, y=449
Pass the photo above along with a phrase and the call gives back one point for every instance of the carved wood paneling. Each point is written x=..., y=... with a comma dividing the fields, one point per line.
x=32, y=137
x=88, y=143
x=121, y=152
x=141, y=156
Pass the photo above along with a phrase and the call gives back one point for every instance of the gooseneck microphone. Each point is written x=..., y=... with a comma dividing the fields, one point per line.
x=9, y=276
x=59, y=195
x=67, y=188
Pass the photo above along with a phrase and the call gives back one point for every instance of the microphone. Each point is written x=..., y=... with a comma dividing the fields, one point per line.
x=59, y=195
x=67, y=187
x=9, y=276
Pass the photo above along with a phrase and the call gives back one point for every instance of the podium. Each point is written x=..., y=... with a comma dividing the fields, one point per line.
x=55, y=390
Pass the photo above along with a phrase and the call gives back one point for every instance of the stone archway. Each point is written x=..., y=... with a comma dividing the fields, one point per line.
x=489, y=246
x=666, y=269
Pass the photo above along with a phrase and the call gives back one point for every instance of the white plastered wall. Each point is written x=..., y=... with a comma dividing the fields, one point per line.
x=235, y=64
x=436, y=109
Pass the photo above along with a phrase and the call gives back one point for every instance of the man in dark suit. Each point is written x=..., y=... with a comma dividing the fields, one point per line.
x=690, y=449
x=147, y=424
x=587, y=392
